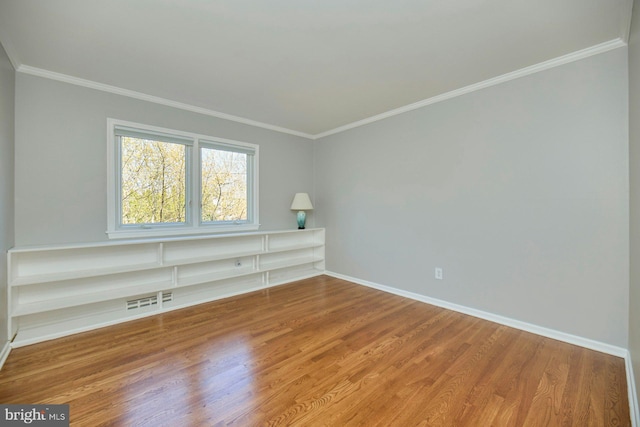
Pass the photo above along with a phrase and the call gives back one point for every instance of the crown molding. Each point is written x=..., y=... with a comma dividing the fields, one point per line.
x=13, y=57
x=542, y=66
x=625, y=21
x=26, y=69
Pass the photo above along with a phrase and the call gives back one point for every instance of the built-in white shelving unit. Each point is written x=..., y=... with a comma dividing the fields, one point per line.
x=60, y=290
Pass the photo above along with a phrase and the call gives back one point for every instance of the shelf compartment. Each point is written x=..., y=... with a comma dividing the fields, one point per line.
x=58, y=323
x=211, y=291
x=51, y=265
x=296, y=272
x=299, y=239
x=193, y=274
x=278, y=260
x=295, y=247
x=190, y=251
x=57, y=295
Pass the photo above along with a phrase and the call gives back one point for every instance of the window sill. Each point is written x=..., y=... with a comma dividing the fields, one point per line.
x=192, y=231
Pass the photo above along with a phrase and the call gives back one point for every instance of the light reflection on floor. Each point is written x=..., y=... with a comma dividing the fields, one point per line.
x=223, y=370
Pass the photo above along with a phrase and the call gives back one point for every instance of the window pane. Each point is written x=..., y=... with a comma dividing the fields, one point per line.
x=224, y=185
x=153, y=181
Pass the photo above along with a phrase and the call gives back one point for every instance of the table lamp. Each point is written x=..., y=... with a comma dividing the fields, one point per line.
x=301, y=203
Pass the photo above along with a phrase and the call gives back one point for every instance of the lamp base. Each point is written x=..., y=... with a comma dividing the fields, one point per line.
x=302, y=216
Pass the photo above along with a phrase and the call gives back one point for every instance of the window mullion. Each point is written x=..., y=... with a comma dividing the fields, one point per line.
x=194, y=203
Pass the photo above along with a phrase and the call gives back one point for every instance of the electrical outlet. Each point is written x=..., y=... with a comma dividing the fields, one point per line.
x=238, y=263
x=438, y=273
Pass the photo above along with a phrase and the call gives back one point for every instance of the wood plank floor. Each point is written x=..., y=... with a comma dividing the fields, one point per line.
x=318, y=352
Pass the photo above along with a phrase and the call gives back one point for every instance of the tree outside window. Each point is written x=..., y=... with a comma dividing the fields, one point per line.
x=164, y=182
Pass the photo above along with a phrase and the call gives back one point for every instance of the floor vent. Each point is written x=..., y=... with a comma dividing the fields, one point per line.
x=167, y=297
x=142, y=302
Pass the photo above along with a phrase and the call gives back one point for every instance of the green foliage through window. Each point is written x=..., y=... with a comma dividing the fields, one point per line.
x=165, y=182
x=224, y=185
x=153, y=182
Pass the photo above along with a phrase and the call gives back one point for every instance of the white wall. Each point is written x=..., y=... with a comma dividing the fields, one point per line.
x=519, y=191
x=7, y=84
x=61, y=171
x=634, y=161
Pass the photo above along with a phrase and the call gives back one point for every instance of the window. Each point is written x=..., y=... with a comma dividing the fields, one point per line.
x=223, y=183
x=164, y=182
x=153, y=179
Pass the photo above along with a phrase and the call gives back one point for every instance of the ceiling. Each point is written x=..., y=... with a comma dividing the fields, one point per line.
x=299, y=66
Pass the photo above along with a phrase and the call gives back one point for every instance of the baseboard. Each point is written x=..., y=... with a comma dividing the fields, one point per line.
x=4, y=353
x=634, y=411
x=529, y=327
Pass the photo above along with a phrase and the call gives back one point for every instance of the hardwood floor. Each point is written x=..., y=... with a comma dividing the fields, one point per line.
x=317, y=352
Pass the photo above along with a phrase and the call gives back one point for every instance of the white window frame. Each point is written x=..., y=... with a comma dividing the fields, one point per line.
x=193, y=220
